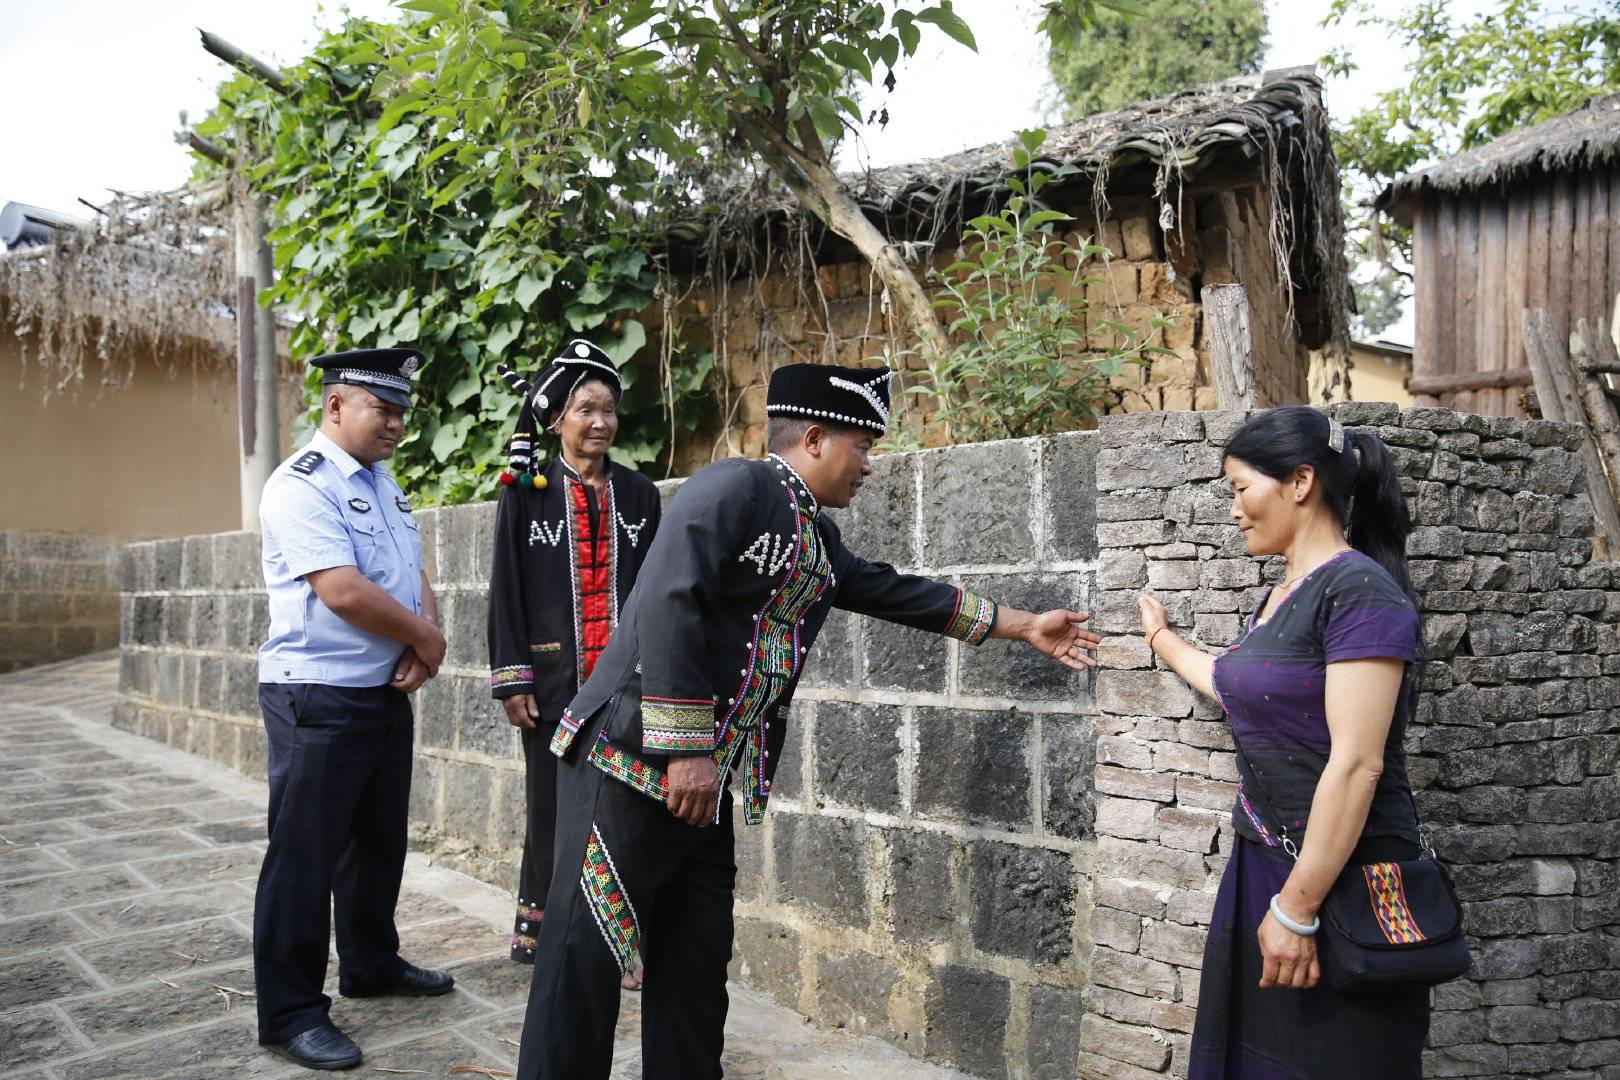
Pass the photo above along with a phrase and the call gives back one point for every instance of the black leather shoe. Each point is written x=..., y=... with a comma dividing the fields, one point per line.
x=323, y=1047
x=412, y=982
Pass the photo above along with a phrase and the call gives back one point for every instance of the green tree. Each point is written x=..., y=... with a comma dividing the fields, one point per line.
x=487, y=179
x=1175, y=44
x=1471, y=79
x=397, y=222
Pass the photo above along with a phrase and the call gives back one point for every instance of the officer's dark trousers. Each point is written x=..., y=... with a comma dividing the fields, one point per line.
x=539, y=838
x=340, y=783
x=677, y=884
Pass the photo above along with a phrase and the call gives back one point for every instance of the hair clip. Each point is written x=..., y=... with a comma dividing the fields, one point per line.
x=1335, y=436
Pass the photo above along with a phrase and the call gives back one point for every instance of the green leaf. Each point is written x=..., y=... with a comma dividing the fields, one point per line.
x=849, y=58
x=531, y=285
x=503, y=336
x=408, y=328
x=508, y=215
x=465, y=387
x=449, y=438
x=632, y=336
x=444, y=9
x=950, y=22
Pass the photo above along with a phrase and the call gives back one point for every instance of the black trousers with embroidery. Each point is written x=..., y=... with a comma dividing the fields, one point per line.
x=630, y=879
x=340, y=786
x=539, y=839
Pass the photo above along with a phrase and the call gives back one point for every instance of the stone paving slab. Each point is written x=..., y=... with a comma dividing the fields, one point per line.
x=126, y=913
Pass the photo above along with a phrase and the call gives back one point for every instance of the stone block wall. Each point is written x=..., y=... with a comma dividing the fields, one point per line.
x=924, y=872
x=994, y=863
x=1513, y=746
x=58, y=597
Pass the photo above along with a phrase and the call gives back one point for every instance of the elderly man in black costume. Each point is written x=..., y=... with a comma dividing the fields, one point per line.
x=688, y=698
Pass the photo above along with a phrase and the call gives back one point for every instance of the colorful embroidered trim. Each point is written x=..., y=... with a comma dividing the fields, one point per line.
x=567, y=728
x=670, y=725
x=582, y=590
x=547, y=646
x=1254, y=818
x=526, y=927
x=774, y=660
x=1388, y=892
x=609, y=904
x=973, y=618
x=620, y=765
x=511, y=675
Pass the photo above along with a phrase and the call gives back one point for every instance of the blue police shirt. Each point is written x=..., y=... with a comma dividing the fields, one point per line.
x=321, y=508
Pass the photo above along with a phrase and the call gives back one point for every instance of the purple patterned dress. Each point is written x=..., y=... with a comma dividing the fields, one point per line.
x=1271, y=685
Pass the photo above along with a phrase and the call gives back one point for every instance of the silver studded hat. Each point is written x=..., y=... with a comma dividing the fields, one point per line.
x=547, y=394
x=854, y=397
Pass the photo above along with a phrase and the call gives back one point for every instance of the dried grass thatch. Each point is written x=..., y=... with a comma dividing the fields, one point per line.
x=153, y=271
x=1270, y=128
x=1584, y=138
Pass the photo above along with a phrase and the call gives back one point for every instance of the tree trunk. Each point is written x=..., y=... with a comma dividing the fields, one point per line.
x=818, y=188
x=256, y=361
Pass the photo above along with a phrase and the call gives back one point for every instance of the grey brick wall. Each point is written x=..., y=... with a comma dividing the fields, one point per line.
x=982, y=858
x=1513, y=749
x=58, y=597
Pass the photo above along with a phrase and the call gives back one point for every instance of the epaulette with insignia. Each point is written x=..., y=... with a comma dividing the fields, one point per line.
x=307, y=462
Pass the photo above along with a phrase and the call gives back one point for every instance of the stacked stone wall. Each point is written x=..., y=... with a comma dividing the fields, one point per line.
x=980, y=857
x=1513, y=746
x=58, y=597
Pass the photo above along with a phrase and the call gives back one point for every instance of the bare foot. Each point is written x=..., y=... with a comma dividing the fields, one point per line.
x=633, y=978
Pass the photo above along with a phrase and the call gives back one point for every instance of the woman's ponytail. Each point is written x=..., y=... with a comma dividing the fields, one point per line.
x=1378, y=522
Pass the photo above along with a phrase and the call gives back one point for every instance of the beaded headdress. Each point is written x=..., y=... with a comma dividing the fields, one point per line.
x=546, y=396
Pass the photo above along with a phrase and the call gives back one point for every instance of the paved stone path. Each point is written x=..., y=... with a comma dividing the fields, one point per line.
x=126, y=899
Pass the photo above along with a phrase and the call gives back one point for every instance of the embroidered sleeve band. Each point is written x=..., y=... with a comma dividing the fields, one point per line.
x=973, y=619
x=677, y=725
x=511, y=675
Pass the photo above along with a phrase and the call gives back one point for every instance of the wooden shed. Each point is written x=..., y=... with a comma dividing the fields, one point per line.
x=1528, y=221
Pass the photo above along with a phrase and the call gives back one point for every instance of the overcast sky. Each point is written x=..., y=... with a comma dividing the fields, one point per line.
x=94, y=88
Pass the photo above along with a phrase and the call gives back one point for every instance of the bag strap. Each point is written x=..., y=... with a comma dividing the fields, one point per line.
x=1276, y=825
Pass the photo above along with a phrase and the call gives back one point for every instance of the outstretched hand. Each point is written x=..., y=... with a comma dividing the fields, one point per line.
x=1061, y=634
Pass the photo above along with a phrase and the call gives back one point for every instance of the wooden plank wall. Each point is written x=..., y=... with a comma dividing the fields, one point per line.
x=1482, y=258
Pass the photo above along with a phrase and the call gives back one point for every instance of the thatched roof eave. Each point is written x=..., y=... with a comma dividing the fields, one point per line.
x=1583, y=138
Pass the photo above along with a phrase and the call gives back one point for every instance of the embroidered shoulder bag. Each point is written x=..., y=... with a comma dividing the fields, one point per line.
x=1387, y=927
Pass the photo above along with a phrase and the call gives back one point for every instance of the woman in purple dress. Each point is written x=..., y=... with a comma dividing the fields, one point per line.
x=1317, y=691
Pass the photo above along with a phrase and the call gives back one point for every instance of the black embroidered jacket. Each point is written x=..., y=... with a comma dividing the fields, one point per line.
x=542, y=607
x=736, y=586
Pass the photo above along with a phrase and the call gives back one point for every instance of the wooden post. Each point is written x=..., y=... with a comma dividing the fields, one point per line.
x=1560, y=400
x=256, y=361
x=1231, y=349
x=1589, y=345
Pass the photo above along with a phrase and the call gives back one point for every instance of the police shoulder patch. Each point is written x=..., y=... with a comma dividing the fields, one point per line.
x=403, y=503
x=307, y=461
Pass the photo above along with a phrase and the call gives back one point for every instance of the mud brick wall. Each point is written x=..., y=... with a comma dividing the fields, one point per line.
x=836, y=315
x=1513, y=746
x=988, y=861
x=58, y=597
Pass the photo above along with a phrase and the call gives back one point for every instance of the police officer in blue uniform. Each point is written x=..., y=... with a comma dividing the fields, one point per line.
x=352, y=633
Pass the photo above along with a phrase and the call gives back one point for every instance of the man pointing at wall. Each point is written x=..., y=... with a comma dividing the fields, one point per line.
x=689, y=697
